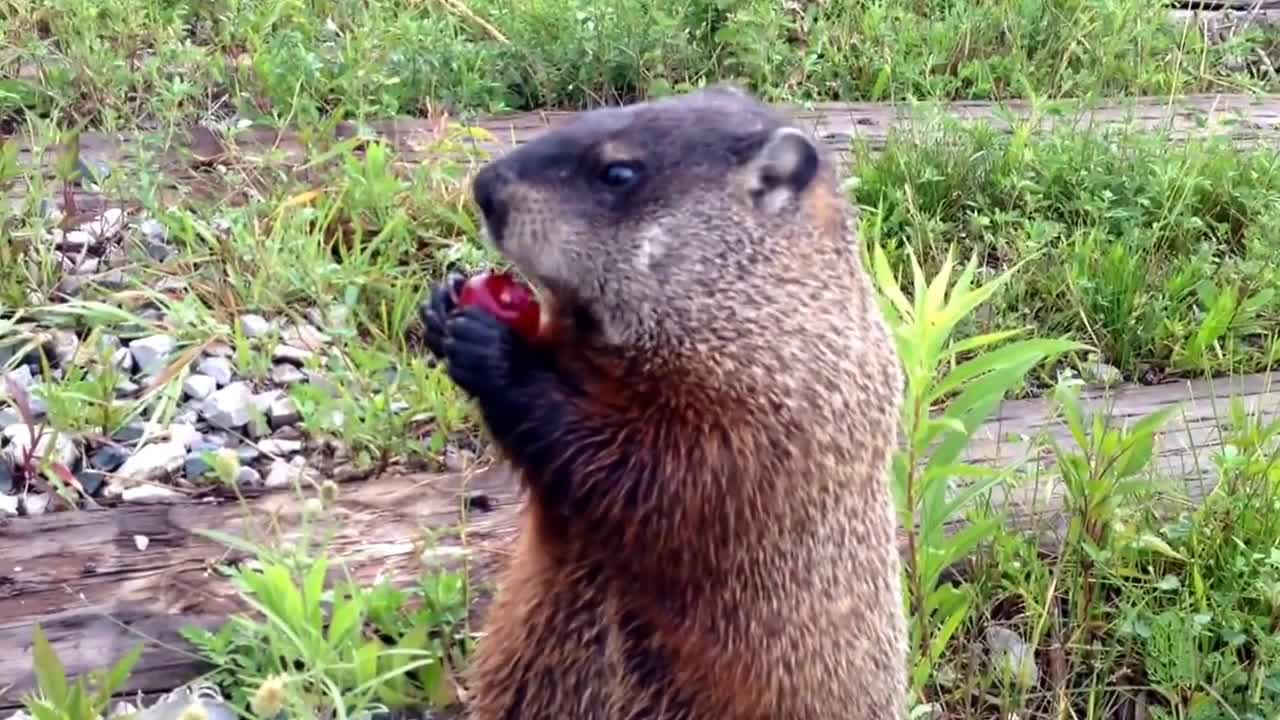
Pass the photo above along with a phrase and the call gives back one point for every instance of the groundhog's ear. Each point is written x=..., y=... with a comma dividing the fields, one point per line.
x=782, y=169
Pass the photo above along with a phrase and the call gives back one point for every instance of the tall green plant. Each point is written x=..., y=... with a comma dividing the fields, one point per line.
x=924, y=468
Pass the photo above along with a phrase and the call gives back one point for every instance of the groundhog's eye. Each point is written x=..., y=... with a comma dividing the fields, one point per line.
x=619, y=175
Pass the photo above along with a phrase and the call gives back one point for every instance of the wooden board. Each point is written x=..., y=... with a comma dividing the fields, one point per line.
x=184, y=156
x=84, y=578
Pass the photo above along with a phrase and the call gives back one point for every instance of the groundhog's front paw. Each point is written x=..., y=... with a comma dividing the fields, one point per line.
x=480, y=352
x=436, y=310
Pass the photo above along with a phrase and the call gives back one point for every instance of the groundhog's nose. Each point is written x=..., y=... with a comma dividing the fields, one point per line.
x=487, y=188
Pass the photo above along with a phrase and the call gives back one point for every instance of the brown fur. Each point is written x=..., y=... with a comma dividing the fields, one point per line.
x=709, y=532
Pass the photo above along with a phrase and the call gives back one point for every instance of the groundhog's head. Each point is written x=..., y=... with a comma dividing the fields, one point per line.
x=646, y=221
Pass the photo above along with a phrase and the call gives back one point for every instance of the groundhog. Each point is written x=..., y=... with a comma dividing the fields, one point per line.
x=704, y=426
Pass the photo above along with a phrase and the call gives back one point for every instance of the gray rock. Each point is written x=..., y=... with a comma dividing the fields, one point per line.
x=199, y=387
x=153, y=462
x=20, y=376
x=304, y=336
x=1101, y=373
x=133, y=432
x=91, y=172
x=322, y=382
x=285, y=374
x=8, y=417
x=218, y=368
x=195, y=467
x=148, y=492
x=1011, y=656
x=288, y=432
x=57, y=446
x=209, y=443
x=185, y=433
x=291, y=354
x=273, y=446
x=36, y=503
x=262, y=401
x=176, y=705
x=91, y=480
x=152, y=353
x=65, y=344
x=219, y=349
x=107, y=226
x=77, y=241
x=122, y=360
x=6, y=475
x=254, y=326
x=9, y=504
x=281, y=475
x=247, y=454
x=153, y=230
x=188, y=415
x=229, y=408
x=283, y=412
x=248, y=477
x=160, y=251
x=113, y=280
x=35, y=398
x=109, y=458
x=126, y=388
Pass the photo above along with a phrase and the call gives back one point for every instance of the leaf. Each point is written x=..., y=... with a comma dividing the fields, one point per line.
x=346, y=619
x=1152, y=542
x=313, y=589
x=1015, y=355
x=51, y=676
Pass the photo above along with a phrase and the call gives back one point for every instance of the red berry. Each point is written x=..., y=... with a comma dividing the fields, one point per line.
x=507, y=298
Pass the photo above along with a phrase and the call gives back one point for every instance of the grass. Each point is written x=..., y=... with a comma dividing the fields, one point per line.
x=1119, y=255
x=117, y=64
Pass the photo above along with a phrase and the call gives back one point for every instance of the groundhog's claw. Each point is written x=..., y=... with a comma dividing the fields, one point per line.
x=478, y=348
x=435, y=312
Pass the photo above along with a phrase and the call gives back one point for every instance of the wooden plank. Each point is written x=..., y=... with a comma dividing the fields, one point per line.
x=83, y=577
x=95, y=593
x=181, y=157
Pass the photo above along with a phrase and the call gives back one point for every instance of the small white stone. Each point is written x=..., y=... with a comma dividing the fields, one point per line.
x=185, y=433
x=153, y=230
x=107, y=226
x=1011, y=656
x=8, y=504
x=77, y=241
x=219, y=349
x=141, y=541
x=218, y=368
x=122, y=360
x=283, y=412
x=291, y=354
x=254, y=326
x=229, y=408
x=147, y=492
x=57, y=446
x=281, y=475
x=305, y=336
x=199, y=387
x=285, y=374
x=153, y=461
x=20, y=376
x=274, y=446
x=65, y=344
x=151, y=353
x=37, y=503
x=248, y=477
x=262, y=401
